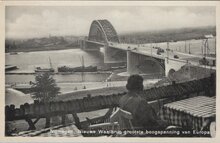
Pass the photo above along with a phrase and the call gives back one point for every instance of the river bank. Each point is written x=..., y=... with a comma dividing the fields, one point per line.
x=35, y=49
x=107, y=88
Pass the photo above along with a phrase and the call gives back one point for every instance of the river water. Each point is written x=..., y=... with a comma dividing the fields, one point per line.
x=28, y=61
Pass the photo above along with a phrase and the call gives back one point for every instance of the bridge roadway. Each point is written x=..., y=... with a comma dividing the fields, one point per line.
x=152, y=52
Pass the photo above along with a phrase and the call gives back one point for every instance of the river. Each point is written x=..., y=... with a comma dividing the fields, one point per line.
x=28, y=61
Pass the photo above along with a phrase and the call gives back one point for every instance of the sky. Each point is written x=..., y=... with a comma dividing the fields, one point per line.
x=41, y=21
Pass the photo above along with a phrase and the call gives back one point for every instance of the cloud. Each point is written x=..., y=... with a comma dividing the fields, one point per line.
x=43, y=21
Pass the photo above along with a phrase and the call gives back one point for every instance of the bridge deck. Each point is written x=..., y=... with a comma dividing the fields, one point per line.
x=152, y=52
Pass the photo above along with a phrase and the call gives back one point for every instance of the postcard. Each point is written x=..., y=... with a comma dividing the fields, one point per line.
x=115, y=71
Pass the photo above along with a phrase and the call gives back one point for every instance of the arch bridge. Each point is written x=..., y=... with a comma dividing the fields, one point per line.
x=140, y=60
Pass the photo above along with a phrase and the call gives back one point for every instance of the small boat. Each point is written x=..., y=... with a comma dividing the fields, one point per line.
x=10, y=67
x=39, y=69
x=13, y=53
x=118, y=67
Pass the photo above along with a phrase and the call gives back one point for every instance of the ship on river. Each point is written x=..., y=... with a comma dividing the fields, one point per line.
x=81, y=68
x=39, y=69
x=77, y=69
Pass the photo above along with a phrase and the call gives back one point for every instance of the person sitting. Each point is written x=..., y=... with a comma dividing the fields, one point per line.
x=144, y=115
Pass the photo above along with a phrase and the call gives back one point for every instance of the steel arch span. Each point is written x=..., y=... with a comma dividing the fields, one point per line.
x=103, y=31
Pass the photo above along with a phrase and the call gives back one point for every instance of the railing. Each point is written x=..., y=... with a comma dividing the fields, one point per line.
x=38, y=110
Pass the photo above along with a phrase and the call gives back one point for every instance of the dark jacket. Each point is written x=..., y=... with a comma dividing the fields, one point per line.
x=144, y=116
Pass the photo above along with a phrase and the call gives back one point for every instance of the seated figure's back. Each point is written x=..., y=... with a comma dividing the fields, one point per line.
x=144, y=116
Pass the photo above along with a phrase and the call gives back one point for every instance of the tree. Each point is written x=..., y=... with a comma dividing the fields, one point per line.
x=45, y=88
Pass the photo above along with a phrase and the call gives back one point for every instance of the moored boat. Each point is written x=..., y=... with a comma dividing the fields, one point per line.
x=13, y=53
x=39, y=69
x=77, y=69
x=10, y=67
x=81, y=68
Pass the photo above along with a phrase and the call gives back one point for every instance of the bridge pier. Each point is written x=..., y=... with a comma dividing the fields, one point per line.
x=140, y=64
x=132, y=62
x=172, y=65
x=112, y=55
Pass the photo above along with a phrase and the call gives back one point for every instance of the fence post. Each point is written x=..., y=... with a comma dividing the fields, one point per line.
x=212, y=84
x=47, y=124
x=7, y=113
x=77, y=121
x=30, y=123
x=63, y=119
x=26, y=109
